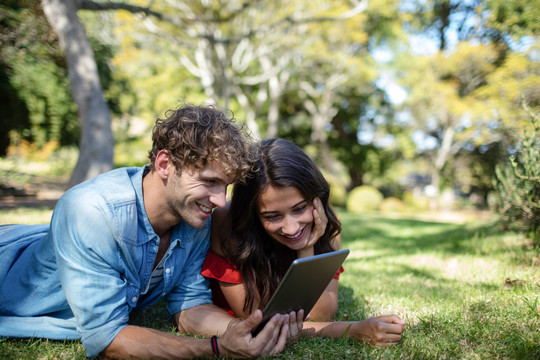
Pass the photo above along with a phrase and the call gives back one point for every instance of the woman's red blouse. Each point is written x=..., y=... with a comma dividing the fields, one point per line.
x=216, y=268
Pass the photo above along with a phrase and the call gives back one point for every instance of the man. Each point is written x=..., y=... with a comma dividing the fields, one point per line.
x=124, y=239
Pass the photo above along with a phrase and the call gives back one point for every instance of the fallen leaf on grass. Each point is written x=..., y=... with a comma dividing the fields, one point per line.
x=510, y=284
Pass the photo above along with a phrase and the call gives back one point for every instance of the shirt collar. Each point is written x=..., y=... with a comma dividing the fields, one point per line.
x=144, y=223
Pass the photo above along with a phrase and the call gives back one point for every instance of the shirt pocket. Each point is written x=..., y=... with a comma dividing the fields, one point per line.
x=132, y=295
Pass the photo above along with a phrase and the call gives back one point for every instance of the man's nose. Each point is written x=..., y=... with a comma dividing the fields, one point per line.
x=219, y=196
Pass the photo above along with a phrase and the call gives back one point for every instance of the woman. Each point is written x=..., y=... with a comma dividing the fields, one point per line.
x=279, y=214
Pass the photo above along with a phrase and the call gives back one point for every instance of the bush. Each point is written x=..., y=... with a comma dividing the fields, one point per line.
x=364, y=198
x=518, y=184
x=415, y=201
x=338, y=193
x=393, y=204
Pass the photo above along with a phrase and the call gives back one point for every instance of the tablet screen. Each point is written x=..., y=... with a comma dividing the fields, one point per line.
x=303, y=284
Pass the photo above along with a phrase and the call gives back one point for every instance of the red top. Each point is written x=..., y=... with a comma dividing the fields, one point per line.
x=216, y=268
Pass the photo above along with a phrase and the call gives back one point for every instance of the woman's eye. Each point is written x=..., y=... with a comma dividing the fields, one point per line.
x=271, y=217
x=300, y=209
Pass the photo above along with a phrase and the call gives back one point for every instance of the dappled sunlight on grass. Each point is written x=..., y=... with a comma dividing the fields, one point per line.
x=466, y=291
x=458, y=286
x=24, y=215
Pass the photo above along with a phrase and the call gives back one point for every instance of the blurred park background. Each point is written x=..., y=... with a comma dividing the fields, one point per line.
x=408, y=106
x=422, y=114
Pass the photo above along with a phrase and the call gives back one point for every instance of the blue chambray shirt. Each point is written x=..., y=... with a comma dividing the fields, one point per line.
x=81, y=276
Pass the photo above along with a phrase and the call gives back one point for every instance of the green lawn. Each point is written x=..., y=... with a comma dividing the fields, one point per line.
x=448, y=281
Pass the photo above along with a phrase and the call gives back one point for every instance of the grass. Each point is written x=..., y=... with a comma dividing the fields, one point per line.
x=467, y=291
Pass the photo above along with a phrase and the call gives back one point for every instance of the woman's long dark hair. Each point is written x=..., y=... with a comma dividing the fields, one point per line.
x=261, y=260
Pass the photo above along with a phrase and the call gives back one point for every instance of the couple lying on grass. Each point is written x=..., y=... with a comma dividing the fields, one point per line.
x=127, y=238
x=281, y=213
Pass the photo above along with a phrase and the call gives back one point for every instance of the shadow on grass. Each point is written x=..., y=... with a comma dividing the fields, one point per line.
x=155, y=316
x=350, y=307
x=409, y=281
x=486, y=330
x=405, y=236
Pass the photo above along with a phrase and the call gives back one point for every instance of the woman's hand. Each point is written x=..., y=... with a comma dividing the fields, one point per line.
x=380, y=331
x=319, y=226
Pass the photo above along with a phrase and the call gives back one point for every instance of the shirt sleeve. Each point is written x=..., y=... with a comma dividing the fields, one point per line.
x=341, y=269
x=89, y=267
x=219, y=268
x=191, y=288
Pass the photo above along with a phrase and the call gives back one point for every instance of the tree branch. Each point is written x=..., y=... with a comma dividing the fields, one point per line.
x=113, y=5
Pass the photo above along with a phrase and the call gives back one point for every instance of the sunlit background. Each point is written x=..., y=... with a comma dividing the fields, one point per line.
x=409, y=105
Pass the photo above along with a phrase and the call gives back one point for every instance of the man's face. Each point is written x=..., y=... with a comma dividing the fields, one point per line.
x=192, y=194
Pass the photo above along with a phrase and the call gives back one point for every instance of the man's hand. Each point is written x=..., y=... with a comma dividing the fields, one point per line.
x=296, y=323
x=237, y=341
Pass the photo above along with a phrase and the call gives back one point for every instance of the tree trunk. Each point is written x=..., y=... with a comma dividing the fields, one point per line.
x=96, y=145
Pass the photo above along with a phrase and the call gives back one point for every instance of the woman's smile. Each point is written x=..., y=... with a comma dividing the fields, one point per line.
x=296, y=236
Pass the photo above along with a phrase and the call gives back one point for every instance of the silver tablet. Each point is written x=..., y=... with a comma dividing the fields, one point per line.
x=303, y=284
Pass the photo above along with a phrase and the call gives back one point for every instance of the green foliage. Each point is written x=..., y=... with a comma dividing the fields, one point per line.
x=518, y=183
x=35, y=99
x=35, y=80
x=364, y=198
x=132, y=152
x=515, y=18
x=52, y=112
x=362, y=112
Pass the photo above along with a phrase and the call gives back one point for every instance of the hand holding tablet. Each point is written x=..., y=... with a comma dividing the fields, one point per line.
x=303, y=284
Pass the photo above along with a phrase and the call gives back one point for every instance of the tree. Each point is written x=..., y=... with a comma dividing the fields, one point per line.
x=441, y=102
x=518, y=183
x=241, y=51
x=34, y=114
x=461, y=96
x=336, y=83
x=97, y=142
x=366, y=109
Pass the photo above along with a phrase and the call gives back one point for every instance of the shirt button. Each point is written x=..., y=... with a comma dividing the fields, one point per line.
x=168, y=271
x=134, y=299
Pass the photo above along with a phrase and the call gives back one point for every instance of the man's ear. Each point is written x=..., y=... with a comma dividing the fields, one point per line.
x=163, y=164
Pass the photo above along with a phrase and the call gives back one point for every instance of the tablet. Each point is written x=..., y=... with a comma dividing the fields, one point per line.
x=303, y=284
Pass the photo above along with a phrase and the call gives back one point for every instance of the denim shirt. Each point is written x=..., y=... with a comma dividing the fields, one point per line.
x=81, y=276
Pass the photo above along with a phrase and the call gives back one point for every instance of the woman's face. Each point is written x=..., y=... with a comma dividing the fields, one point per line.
x=286, y=216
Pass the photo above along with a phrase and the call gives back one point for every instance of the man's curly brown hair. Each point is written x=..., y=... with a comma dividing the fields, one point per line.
x=196, y=135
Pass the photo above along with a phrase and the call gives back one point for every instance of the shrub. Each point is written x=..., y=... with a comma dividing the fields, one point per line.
x=364, y=198
x=416, y=201
x=518, y=184
x=393, y=204
x=338, y=193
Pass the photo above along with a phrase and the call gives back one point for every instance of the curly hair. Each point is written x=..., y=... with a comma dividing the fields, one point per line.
x=197, y=135
x=261, y=260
